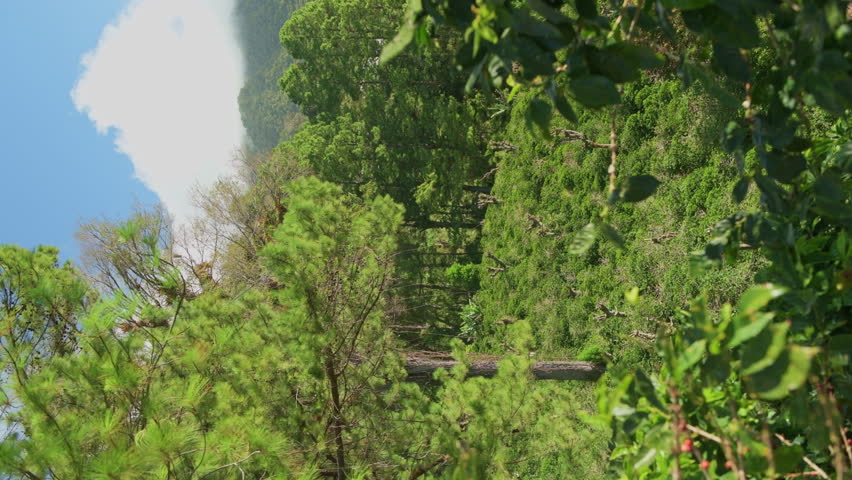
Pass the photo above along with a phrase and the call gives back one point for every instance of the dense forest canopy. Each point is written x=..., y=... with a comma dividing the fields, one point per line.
x=443, y=207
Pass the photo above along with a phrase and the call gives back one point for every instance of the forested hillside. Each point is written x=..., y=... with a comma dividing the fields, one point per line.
x=268, y=115
x=648, y=198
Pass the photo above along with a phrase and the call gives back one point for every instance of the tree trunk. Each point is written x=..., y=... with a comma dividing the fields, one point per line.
x=422, y=368
x=337, y=424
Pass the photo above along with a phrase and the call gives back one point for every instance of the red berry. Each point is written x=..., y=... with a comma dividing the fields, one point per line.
x=705, y=464
x=849, y=441
x=686, y=446
x=729, y=465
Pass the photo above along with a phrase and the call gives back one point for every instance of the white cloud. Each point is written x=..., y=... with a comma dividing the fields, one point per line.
x=166, y=76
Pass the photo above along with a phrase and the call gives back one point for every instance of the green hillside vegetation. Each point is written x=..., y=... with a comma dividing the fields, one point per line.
x=548, y=190
x=661, y=189
x=267, y=113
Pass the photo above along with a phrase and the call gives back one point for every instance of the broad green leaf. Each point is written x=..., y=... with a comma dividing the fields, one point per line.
x=644, y=387
x=787, y=373
x=623, y=411
x=748, y=327
x=583, y=240
x=783, y=167
x=733, y=137
x=713, y=395
x=761, y=351
x=639, y=187
x=691, y=356
x=563, y=107
x=621, y=62
x=640, y=56
x=645, y=458
x=612, y=398
x=772, y=195
x=841, y=344
x=403, y=37
x=595, y=91
x=587, y=8
x=740, y=190
x=610, y=233
x=758, y=297
x=632, y=296
x=831, y=197
x=537, y=116
x=716, y=369
x=549, y=13
x=729, y=60
x=788, y=459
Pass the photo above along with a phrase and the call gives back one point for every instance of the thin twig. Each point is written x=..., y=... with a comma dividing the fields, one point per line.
x=234, y=464
x=807, y=460
x=703, y=433
x=613, y=152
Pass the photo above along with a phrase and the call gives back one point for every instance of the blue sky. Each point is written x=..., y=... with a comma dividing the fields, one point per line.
x=64, y=160
x=56, y=169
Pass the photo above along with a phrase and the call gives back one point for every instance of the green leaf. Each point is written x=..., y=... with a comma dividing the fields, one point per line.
x=788, y=459
x=632, y=296
x=786, y=374
x=841, y=344
x=644, y=458
x=772, y=195
x=610, y=233
x=831, y=198
x=564, y=108
x=403, y=37
x=783, y=167
x=583, y=240
x=687, y=4
x=621, y=62
x=749, y=327
x=690, y=356
x=733, y=137
x=587, y=8
x=729, y=60
x=549, y=13
x=538, y=115
x=758, y=297
x=764, y=349
x=639, y=187
x=740, y=190
x=595, y=91
x=644, y=387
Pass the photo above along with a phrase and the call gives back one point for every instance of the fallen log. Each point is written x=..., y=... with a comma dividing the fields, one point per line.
x=422, y=367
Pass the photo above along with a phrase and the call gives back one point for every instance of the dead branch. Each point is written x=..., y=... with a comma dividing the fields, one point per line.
x=484, y=199
x=502, y=146
x=573, y=135
x=643, y=335
x=607, y=313
x=534, y=222
x=662, y=237
x=422, y=367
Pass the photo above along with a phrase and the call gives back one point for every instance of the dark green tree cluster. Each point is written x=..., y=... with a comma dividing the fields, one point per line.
x=405, y=130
